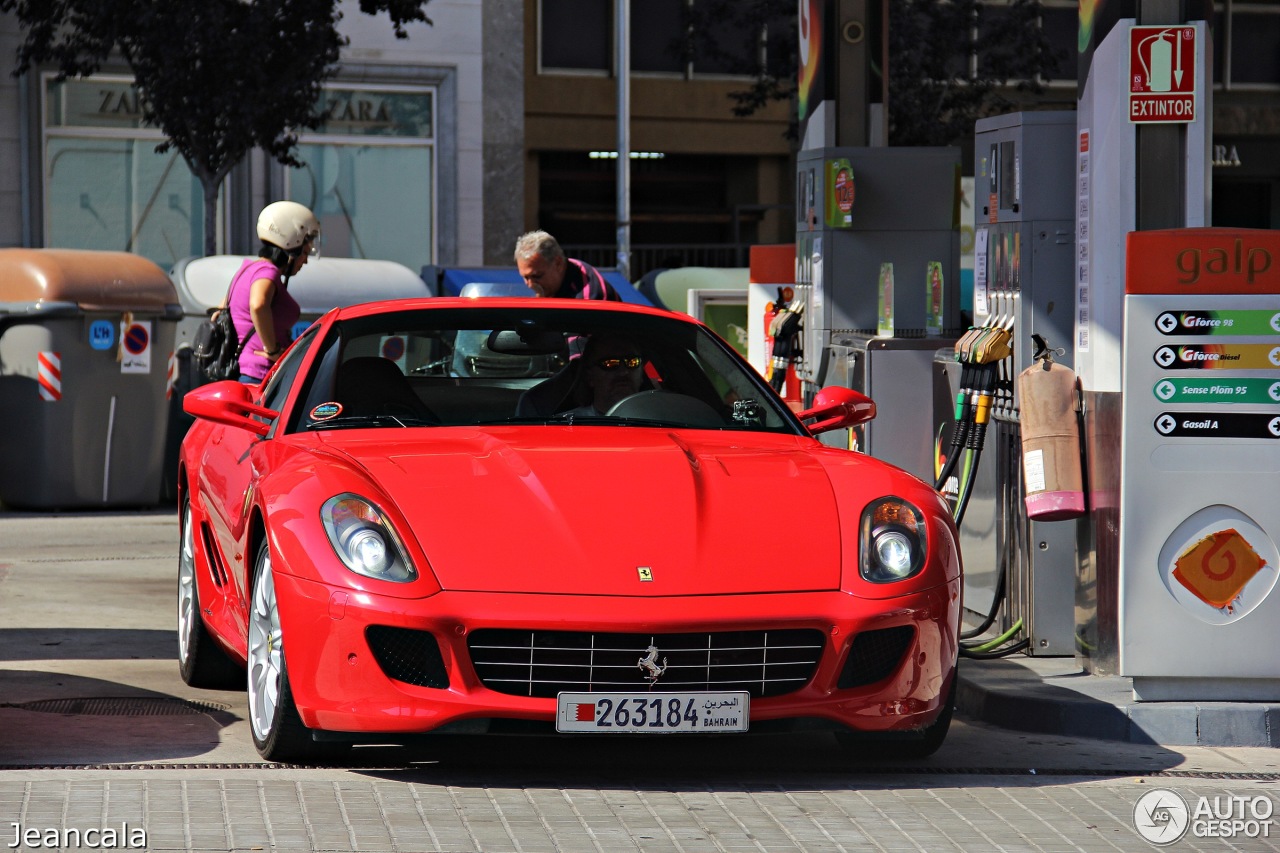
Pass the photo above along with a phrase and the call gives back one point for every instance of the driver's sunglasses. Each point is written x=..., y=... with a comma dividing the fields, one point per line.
x=631, y=362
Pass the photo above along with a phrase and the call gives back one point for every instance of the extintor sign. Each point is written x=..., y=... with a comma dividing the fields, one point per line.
x=1162, y=74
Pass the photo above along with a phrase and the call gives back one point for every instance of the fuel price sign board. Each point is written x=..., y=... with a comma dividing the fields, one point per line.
x=1200, y=456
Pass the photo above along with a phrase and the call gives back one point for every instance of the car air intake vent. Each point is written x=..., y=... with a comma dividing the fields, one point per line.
x=542, y=663
x=408, y=655
x=216, y=569
x=875, y=655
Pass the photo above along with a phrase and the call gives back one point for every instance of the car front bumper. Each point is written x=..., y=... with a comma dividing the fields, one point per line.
x=339, y=685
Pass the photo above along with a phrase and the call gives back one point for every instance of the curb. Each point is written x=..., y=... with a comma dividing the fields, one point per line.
x=1060, y=699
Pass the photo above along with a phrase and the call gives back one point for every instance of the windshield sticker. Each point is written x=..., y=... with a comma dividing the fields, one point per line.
x=325, y=411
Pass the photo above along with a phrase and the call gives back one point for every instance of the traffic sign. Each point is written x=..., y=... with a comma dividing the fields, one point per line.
x=1162, y=74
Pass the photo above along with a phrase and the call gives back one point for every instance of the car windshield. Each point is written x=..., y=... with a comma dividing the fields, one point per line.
x=489, y=366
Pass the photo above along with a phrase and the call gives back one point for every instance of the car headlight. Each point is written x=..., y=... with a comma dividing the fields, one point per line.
x=892, y=541
x=364, y=540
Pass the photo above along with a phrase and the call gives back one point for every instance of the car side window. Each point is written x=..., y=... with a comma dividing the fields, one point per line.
x=286, y=372
x=736, y=387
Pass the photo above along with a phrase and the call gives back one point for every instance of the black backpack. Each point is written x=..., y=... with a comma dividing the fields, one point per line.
x=215, y=350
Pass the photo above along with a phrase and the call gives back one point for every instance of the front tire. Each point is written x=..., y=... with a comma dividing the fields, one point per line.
x=201, y=661
x=278, y=732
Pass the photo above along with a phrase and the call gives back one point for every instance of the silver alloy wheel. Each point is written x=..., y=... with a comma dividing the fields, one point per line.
x=187, y=614
x=266, y=653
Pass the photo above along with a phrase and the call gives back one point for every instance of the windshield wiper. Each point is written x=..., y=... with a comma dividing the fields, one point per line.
x=360, y=421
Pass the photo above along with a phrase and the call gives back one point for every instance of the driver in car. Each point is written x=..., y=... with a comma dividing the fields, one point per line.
x=612, y=370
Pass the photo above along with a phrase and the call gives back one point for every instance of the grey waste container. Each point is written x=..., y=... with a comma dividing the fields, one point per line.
x=324, y=283
x=86, y=353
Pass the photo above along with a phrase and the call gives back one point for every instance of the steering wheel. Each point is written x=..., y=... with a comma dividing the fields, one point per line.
x=667, y=406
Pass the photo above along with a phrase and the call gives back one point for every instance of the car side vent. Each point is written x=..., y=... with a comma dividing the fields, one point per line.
x=216, y=568
x=408, y=655
x=875, y=655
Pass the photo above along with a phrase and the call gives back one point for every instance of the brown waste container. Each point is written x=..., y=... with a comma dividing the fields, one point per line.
x=86, y=356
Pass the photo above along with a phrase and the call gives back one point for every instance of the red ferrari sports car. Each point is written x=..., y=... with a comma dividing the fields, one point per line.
x=469, y=515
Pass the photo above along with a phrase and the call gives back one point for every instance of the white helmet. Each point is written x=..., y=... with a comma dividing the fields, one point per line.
x=288, y=225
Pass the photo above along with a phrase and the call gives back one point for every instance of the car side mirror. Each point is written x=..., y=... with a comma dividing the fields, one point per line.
x=837, y=408
x=229, y=403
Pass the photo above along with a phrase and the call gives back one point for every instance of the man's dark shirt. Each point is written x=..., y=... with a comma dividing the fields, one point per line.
x=583, y=281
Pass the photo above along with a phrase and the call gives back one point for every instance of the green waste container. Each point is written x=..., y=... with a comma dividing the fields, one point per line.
x=86, y=364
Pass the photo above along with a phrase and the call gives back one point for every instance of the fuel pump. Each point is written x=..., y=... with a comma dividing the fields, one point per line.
x=981, y=352
x=784, y=335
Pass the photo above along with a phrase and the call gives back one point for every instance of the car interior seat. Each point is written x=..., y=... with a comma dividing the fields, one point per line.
x=556, y=393
x=372, y=385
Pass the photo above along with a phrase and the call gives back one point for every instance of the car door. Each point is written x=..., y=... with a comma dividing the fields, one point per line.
x=230, y=474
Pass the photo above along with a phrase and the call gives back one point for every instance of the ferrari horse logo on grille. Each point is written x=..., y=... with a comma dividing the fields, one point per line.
x=649, y=663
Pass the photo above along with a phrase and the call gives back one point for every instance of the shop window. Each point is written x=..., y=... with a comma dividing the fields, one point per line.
x=1255, y=34
x=1061, y=26
x=105, y=187
x=119, y=195
x=737, y=49
x=371, y=202
x=1243, y=203
x=369, y=175
x=656, y=27
x=578, y=35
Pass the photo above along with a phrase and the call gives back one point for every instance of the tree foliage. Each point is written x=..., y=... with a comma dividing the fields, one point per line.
x=217, y=77
x=935, y=91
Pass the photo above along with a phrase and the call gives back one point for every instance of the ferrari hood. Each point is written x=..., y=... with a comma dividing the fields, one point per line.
x=610, y=511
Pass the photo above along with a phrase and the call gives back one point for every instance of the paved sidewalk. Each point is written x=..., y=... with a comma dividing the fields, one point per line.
x=97, y=733
x=511, y=812
x=1056, y=696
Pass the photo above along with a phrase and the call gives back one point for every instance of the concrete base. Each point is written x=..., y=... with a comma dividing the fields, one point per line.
x=1166, y=689
x=1055, y=695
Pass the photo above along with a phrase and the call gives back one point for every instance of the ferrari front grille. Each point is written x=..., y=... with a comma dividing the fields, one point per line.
x=875, y=655
x=408, y=655
x=543, y=663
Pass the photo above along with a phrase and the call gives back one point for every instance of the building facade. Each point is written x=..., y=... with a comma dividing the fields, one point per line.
x=500, y=117
x=395, y=172
x=705, y=183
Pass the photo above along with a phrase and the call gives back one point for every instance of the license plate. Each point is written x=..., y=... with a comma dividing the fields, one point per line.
x=652, y=713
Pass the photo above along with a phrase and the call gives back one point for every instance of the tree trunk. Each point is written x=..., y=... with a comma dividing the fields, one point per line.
x=210, y=184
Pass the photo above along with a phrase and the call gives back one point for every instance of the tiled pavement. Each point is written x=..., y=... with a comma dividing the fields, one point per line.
x=206, y=810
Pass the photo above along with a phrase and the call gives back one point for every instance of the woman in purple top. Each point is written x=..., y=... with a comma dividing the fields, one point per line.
x=261, y=306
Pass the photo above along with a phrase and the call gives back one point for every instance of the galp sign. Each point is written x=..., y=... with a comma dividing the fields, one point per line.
x=1210, y=261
